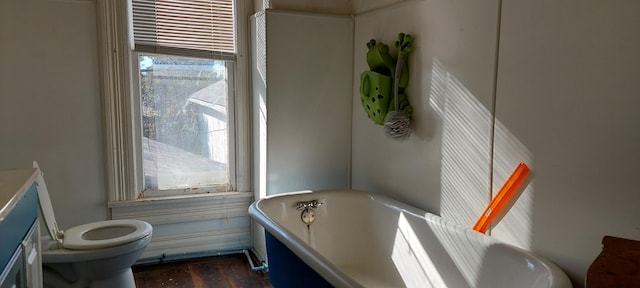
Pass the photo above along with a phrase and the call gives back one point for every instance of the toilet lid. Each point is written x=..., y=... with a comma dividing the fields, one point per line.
x=45, y=205
x=105, y=234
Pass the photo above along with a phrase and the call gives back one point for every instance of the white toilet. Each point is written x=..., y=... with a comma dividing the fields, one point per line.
x=96, y=255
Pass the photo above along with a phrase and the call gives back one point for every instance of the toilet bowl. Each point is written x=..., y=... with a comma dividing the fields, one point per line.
x=98, y=254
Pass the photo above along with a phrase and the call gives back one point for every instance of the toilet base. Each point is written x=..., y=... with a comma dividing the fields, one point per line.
x=100, y=268
x=124, y=280
x=54, y=279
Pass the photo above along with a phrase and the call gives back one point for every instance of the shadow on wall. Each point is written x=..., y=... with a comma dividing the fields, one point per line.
x=466, y=177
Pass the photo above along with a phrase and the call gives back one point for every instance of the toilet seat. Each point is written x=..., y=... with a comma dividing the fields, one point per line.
x=125, y=231
x=96, y=235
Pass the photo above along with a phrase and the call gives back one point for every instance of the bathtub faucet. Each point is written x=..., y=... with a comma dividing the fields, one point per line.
x=308, y=204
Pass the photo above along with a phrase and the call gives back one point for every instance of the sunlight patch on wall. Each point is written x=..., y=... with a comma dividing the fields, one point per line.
x=259, y=69
x=261, y=43
x=466, y=160
x=516, y=227
x=262, y=141
x=466, y=148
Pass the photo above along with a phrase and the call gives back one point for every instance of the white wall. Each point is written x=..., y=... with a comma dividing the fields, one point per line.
x=317, y=6
x=301, y=107
x=445, y=166
x=346, y=7
x=568, y=97
x=301, y=77
x=50, y=102
x=308, y=107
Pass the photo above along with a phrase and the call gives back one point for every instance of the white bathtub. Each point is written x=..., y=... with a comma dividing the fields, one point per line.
x=361, y=239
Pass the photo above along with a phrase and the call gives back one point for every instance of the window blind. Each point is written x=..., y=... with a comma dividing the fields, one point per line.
x=195, y=28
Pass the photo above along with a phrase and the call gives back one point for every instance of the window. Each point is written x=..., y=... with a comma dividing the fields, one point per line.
x=175, y=102
x=185, y=136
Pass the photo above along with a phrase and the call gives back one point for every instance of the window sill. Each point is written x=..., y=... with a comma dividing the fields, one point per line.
x=160, y=200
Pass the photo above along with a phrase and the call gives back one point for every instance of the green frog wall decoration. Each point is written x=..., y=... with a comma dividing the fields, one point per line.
x=376, y=84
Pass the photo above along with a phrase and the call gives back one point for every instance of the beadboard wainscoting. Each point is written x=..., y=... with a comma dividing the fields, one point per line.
x=195, y=224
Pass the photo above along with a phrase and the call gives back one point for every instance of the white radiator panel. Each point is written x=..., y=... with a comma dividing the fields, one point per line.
x=211, y=223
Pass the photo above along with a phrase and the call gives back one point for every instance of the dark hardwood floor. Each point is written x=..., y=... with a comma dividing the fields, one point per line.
x=216, y=271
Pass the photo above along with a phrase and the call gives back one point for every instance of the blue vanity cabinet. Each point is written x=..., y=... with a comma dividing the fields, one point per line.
x=20, y=260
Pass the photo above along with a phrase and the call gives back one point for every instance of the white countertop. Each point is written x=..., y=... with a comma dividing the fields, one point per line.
x=13, y=185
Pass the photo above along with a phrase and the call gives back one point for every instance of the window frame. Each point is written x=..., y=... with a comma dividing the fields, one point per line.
x=121, y=105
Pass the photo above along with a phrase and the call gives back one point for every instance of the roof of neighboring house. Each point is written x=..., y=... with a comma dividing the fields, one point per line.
x=174, y=165
x=212, y=95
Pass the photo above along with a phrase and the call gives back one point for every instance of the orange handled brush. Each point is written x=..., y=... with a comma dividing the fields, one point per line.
x=502, y=199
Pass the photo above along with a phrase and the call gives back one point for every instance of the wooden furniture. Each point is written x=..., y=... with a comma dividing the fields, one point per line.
x=618, y=265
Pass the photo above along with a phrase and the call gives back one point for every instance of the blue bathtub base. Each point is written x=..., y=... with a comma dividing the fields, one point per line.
x=287, y=270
